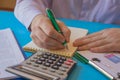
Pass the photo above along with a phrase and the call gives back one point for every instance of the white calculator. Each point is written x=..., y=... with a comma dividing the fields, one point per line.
x=44, y=66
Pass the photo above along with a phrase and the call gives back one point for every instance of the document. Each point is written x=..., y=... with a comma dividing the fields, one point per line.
x=10, y=52
x=107, y=63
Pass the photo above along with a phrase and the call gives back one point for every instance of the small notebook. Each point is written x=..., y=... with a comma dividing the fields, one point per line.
x=75, y=33
x=10, y=53
x=108, y=62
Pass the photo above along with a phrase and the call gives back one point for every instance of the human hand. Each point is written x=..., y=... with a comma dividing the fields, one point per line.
x=107, y=40
x=44, y=35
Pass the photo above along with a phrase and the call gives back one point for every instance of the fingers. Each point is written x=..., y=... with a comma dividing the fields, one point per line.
x=88, y=39
x=43, y=45
x=104, y=41
x=42, y=40
x=44, y=35
x=65, y=30
x=93, y=44
x=104, y=48
x=49, y=30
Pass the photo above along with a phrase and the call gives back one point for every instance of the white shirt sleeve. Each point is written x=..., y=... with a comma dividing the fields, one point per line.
x=26, y=10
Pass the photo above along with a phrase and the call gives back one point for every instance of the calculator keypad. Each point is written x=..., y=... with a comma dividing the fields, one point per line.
x=50, y=63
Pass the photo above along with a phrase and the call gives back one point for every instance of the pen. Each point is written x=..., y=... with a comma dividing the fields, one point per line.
x=85, y=60
x=54, y=23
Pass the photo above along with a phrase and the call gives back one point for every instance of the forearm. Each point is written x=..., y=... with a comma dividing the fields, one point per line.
x=26, y=10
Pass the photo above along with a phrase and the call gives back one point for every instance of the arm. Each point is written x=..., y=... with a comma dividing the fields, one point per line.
x=32, y=14
x=26, y=10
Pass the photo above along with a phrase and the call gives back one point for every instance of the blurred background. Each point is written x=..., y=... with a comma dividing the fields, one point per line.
x=7, y=5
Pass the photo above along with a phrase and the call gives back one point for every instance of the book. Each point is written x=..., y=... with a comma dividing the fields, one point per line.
x=107, y=63
x=75, y=33
x=10, y=53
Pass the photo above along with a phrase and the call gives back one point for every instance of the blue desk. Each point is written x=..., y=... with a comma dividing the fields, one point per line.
x=81, y=71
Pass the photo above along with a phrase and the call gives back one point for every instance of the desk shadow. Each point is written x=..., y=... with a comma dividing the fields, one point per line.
x=75, y=73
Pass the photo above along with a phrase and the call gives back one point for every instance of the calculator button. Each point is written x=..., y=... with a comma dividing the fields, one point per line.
x=38, y=55
x=67, y=63
x=42, y=59
x=58, y=64
x=48, y=54
x=47, y=64
x=32, y=60
x=53, y=58
x=55, y=67
x=35, y=57
x=62, y=69
x=69, y=60
x=29, y=63
x=45, y=56
x=50, y=61
x=39, y=62
x=65, y=66
x=63, y=58
x=55, y=55
x=61, y=61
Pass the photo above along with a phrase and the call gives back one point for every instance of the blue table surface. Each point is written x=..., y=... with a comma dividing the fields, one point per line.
x=81, y=71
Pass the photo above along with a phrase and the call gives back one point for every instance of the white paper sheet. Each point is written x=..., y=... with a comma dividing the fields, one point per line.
x=10, y=53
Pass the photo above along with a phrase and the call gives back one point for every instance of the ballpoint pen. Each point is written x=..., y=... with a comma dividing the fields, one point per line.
x=76, y=54
x=86, y=61
x=54, y=23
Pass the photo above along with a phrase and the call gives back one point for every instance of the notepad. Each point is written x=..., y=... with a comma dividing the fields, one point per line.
x=75, y=33
x=10, y=53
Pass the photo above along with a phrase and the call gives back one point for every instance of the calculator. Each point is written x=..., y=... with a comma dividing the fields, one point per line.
x=44, y=66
